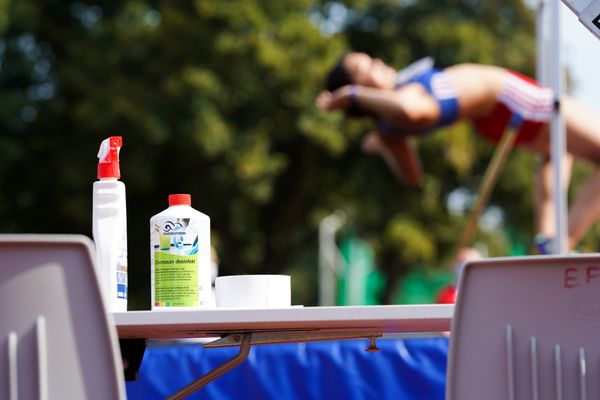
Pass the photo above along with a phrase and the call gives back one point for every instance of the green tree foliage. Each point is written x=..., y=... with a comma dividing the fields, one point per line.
x=215, y=98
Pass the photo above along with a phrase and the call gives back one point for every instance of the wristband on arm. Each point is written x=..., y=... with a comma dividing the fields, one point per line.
x=354, y=110
x=353, y=93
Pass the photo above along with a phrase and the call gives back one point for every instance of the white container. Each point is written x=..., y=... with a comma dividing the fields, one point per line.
x=109, y=226
x=253, y=291
x=180, y=275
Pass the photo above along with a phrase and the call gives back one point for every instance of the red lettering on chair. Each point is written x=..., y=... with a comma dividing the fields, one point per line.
x=570, y=278
x=591, y=273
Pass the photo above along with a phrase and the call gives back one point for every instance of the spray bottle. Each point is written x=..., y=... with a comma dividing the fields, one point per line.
x=180, y=253
x=109, y=226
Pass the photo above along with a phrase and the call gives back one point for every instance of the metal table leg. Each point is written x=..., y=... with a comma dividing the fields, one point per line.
x=217, y=372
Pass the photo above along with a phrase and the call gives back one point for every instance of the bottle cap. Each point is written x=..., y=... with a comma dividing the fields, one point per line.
x=108, y=158
x=180, y=199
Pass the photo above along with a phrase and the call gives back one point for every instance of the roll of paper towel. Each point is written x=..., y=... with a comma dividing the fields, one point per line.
x=253, y=291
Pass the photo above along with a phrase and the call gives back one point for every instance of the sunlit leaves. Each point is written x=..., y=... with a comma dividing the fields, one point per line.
x=410, y=240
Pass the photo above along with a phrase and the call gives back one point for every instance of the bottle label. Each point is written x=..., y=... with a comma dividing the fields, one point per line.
x=175, y=262
x=122, y=268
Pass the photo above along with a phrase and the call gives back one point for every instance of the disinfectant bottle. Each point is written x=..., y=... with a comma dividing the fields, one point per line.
x=180, y=275
x=109, y=225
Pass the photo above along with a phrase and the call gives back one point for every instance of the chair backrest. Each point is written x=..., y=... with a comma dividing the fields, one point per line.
x=57, y=340
x=526, y=328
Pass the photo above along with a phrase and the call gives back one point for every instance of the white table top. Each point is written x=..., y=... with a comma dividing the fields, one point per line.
x=220, y=322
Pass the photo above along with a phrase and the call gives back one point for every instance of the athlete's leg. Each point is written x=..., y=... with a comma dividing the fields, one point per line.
x=545, y=222
x=585, y=210
x=583, y=141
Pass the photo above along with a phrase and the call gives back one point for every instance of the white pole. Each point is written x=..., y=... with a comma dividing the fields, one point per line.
x=328, y=258
x=542, y=48
x=541, y=41
x=557, y=132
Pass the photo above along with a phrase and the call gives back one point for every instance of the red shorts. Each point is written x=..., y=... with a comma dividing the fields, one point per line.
x=523, y=96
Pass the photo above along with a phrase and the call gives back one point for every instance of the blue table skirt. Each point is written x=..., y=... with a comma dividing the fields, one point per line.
x=410, y=369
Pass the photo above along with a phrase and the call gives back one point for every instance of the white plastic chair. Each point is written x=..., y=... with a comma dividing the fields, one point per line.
x=56, y=339
x=527, y=328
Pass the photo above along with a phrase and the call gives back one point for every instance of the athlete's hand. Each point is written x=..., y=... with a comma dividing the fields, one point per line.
x=323, y=100
x=339, y=99
x=371, y=143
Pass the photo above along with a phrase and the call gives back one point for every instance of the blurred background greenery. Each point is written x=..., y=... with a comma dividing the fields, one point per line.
x=216, y=99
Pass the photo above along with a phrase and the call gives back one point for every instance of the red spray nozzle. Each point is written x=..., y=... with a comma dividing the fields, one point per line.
x=108, y=158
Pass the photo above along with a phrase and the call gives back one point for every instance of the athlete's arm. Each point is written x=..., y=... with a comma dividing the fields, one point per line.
x=399, y=155
x=408, y=108
x=406, y=158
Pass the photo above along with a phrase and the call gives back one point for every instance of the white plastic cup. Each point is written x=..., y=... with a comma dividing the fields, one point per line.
x=253, y=291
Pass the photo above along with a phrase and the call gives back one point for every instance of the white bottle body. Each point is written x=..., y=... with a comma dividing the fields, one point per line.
x=109, y=227
x=180, y=275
